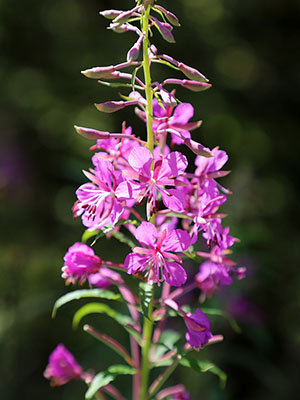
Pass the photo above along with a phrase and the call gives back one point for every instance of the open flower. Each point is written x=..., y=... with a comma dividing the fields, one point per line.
x=80, y=261
x=144, y=182
x=198, y=328
x=97, y=203
x=62, y=367
x=154, y=260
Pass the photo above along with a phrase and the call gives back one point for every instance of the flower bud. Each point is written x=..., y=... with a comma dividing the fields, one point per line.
x=99, y=72
x=195, y=86
x=192, y=73
x=133, y=53
x=110, y=14
x=170, y=16
x=125, y=16
x=113, y=106
x=165, y=30
x=198, y=148
x=91, y=134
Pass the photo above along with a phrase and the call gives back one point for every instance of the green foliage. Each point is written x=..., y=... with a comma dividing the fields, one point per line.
x=85, y=293
x=145, y=294
x=105, y=377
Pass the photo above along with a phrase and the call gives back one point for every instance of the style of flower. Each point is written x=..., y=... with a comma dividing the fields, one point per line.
x=198, y=329
x=144, y=182
x=62, y=367
x=97, y=203
x=154, y=259
x=80, y=262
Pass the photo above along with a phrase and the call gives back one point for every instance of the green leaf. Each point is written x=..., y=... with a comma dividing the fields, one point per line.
x=100, y=380
x=84, y=293
x=166, y=343
x=87, y=234
x=145, y=294
x=100, y=308
x=203, y=366
x=123, y=238
x=105, y=377
x=190, y=253
x=121, y=369
x=160, y=103
x=215, y=311
x=117, y=85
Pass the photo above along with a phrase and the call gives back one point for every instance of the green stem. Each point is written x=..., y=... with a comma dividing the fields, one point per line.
x=148, y=324
x=147, y=335
x=147, y=75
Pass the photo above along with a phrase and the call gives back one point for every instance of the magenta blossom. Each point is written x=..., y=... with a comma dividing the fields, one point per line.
x=144, y=182
x=211, y=276
x=97, y=203
x=198, y=329
x=80, y=261
x=62, y=367
x=154, y=260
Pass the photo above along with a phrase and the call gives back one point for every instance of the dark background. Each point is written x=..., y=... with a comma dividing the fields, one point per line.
x=249, y=50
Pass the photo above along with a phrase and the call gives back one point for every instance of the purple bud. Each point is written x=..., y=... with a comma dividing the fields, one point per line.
x=192, y=73
x=198, y=148
x=165, y=30
x=110, y=14
x=113, y=106
x=125, y=15
x=91, y=134
x=170, y=59
x=195, y=86
x=122, y=28
x=170, y=16
x=133, y=53
x=99, y=72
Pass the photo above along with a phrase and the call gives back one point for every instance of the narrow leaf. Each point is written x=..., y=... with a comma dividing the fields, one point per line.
x=215, y=311
x=100, y=308
x=145, y=294
x=84, y=293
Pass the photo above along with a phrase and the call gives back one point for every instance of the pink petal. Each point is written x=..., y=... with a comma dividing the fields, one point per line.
x=173, y=199
x=177, y=240
x=183, y=113
x=173, y=165
x=174, y=274
x=146, y=234
x=140, y=159
x=135, y=262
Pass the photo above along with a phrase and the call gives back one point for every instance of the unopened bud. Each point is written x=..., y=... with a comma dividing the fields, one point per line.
x=125, y=16
x=110, y=14
x=133, y=53
x=168, y=98
x=165, y=30
x=113, y=106
x=170, y=16
x=198, y=148
x=195, y=86
x=192, y=73
x=99, y=72
x=91, y=134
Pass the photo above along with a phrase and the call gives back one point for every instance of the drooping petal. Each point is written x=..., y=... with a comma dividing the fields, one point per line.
x=177, y=240
x=146, y=234
x=173, y=199
x=174, y=273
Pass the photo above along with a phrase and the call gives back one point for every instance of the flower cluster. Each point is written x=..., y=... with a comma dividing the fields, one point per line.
x=181, y=204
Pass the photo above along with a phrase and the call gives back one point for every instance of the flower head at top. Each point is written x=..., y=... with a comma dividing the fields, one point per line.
x=80, y=261
x=62, y=367
x=154, y=260
x=198, y=328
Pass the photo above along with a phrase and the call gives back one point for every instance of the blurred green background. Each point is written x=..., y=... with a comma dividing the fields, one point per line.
x=248, y=49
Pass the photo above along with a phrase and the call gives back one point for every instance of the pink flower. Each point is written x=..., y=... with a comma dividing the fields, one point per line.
x=154, y=259
x=198, y=329
x=62, y=367
x=80, y=261
x=211, y=276
x=144, y=182
x=97, y=203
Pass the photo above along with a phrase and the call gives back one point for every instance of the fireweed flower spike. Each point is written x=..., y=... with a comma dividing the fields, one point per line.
x=179, y=216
